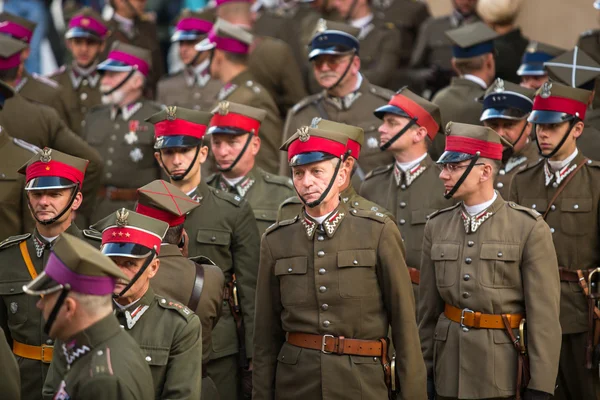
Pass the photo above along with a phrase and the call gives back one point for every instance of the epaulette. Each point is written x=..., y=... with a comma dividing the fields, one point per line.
x=232, y=198
x=533, y=213
x=12, y=240
x=593, y=163
x=590, y=32
x=290, y=200
x=374, y=215
x=46, y=81
x=27, y=146
x=252, y=86
x=438, y=212
x=59, y=71
x=92, y=234
x=379, y=171
x=211, y=178
x=279, y=224
x=278, y=179
x=532, y=165
x=380, y=92
x=174, y=305
x=389, y=25
x=202, y=260
x=101, y=364
x=306, y=102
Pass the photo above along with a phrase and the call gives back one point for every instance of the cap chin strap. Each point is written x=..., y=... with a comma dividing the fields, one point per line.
x=120, y=84
x=191, y=63
x=187, y=171
x=59, y=302
x=348, y=17
x=397, y=135
x=54, y=219
x=133, y=280
x=462, y=177
x=238, y=158
x=344, y=74
x=560, y=144
x=315, y=203
x=509, y=151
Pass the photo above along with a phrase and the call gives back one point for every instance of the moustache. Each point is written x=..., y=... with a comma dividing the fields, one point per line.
x=326, y=75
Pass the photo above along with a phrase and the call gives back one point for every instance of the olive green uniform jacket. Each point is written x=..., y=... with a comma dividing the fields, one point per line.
x=505, y=265
x=126, y=143
x=589, y=141
x=380, y=47
x=39, y=89
x=185, y=90
x=105, y=363
x=10, y=385
x=354, y=109
x=79, y=93
x=528, y=156
x=335, y=282
x=20, y=319
x=265, y=192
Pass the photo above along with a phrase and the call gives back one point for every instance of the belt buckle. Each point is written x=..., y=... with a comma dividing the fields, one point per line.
x=462, y=318
x=323, y=344
x=44, y=347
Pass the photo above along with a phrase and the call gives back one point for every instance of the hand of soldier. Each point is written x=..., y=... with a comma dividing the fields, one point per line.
x=184, y=244
x=531, y=394
x=247, y=381
x=430, y=389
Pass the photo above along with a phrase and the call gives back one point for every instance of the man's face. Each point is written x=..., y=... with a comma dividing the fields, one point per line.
x=111, y=79
x=311, y=180
x=177, y=160
x=131, y=266
x=85, y=51
x=329, y=68
x=344, y=6
x=550, y=135
x=134, y=8
x=465, y=7
x=392, y=124
x=533, y=81
x=226, y=148
x=187, y=52
x=47, y=204
x=451, y=173
x=510, y=130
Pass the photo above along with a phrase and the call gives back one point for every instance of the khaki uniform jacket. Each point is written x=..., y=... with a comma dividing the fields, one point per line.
x=574, y=223
x=338, y=283
x=10, y=385
x=20, y=319
x=270, y=63
x=39, y=89
x=244, y=89
x=380, y=46
x=181, y=90
x=106, y=363
x=169, y=335
x=126, y=144
x=40, y=126
x=14, y=212
x=265, y=192
x=505, y=266
x=589, y=141
x=528, y=156
x=355, y=109
x=79, y=94
x=223, y=229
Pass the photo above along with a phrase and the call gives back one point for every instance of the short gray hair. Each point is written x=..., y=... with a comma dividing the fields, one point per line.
x=93, y=305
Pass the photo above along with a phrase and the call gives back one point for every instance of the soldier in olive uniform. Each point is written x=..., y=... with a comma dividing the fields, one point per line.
x=80, y=80
x=103, y=361
x=487, y=264
x=506, y=107
x=473, y=59
x=53, y=186
x=235, y=143
x=589, y=41
x=191, y=87
x=229, y=48
x=223, y=229
x=33, y=87
x=118, y=131
x=359, y=258
x=11, y=381
x=197, y=284
x=409, y=187
x=532, y=72
x=347, y=96
x=565, y=188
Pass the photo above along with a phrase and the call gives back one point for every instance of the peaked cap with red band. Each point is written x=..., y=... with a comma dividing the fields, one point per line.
x=125, y=57
x=354, y=134
x=464, y=141
x=555, y=103
x=87, y=23
x=407, y=104
x=192, y=25
x=164, y=201
x=179, y=127
x=227, y=37
x=309, y=145
x=51, y=169
x=10, y=52
x=126, y=233
x=236, y=119
x=16, y=27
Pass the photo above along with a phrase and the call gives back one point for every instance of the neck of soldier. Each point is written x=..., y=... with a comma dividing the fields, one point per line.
x=412, y=153
x=130, y=97
x=130, y=297
x=55, y=229
x=228, y=74
x=83, y=322
x=360, y=11
x=189, y=183
x=344, y=88
x=240, y=171
x=483, y=193
x=326, y=207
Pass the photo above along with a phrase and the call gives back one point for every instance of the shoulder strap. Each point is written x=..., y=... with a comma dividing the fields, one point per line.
x=27, y=259
x=564, y=184
x=198, y=286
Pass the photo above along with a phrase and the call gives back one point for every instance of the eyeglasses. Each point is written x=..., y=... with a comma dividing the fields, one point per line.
x=332, y=61
x=451, y=168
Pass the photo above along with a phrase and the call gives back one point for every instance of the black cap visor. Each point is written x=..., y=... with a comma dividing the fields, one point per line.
x=388, y=108
x=78, y=32
x=331, y=51
x=309, y=158
x=531, y=69
x=549, y=117
x=132, y=250
x=181, y=36
x=49, y=182
x=41, y=285
x=114, y=66
x=503, y=113
x=449, y=157
x=165, y=142
x=225, y=130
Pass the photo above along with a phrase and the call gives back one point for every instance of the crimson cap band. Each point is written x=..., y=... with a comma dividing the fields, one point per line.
x=164, y=201
x=125, y=57
x=227, y=37
x=236, y=119
x=10, y=52
x=179, y=127
x=51, y=169
x=355, y=135
x=309, y=145
x=17, y=27
x=556, y=103
x=87, y=24
x=192, y=25
x=464, y=141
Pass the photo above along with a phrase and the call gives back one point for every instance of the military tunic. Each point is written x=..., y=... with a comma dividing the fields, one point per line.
x=10, y=385
x=505, y=264
x=355, y=109
x=39, y=89
x=126, y=143
x=359, y=290
x=265, y=192
x=105, y=363
x=380, y=47
x=175, y=279
x=188, y=90
x=223, y=229
x=528, y=156
x=589, y=141
x=19, y=317
x=79, y=93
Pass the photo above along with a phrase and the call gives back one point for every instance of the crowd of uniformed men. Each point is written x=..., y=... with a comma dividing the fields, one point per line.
x=438, y=240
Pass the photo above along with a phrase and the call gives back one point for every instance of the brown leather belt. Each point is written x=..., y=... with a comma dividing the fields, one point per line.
x=117, y=194
x=41, y=353
x=474, y=319
x=337, y=345
x=415, y=275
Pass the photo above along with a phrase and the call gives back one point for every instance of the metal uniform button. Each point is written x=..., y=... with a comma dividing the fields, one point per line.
x=576, y=206
x=117, y=126
x=113, y=137
x=111, y=150
x=163, y=301
x=197, y=95
x=500, y=254
x=466, y=295
x=290, y=269
x=534, y=206
x=322, y=271
x=148, y=358
x=322, y=289
x=99, y=352
x=49, y=342
x=355, y=204
x=502, y=172
x=320, y=253
x=109, y=162
x=403, y=186
x=402, y=221
x=551, y=230
x=402, y=204
x=500, y=185
x=325, y=307
x=354, y=211
x=355, y=262
x=552, y=207
x=468, y=260
x=466, y=277
x=84, y=82
x=320, y=238
x=326, y=323
x=212, y=239
x=555, y=184
x=470, y=243
x=109, y=175
x=83, y=96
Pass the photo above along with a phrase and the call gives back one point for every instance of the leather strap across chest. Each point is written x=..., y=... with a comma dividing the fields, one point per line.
x=563, y=186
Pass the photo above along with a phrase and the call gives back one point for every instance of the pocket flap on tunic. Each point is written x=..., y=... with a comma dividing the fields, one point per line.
x=10, y=288
x=291, y=266
x=356, y=258
x=155, y=356
x=444, y=251
x=289, y=354
x=265, y=215
x=576, y=205
x=441, y=329
x=212, y=236
x=499, y=251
